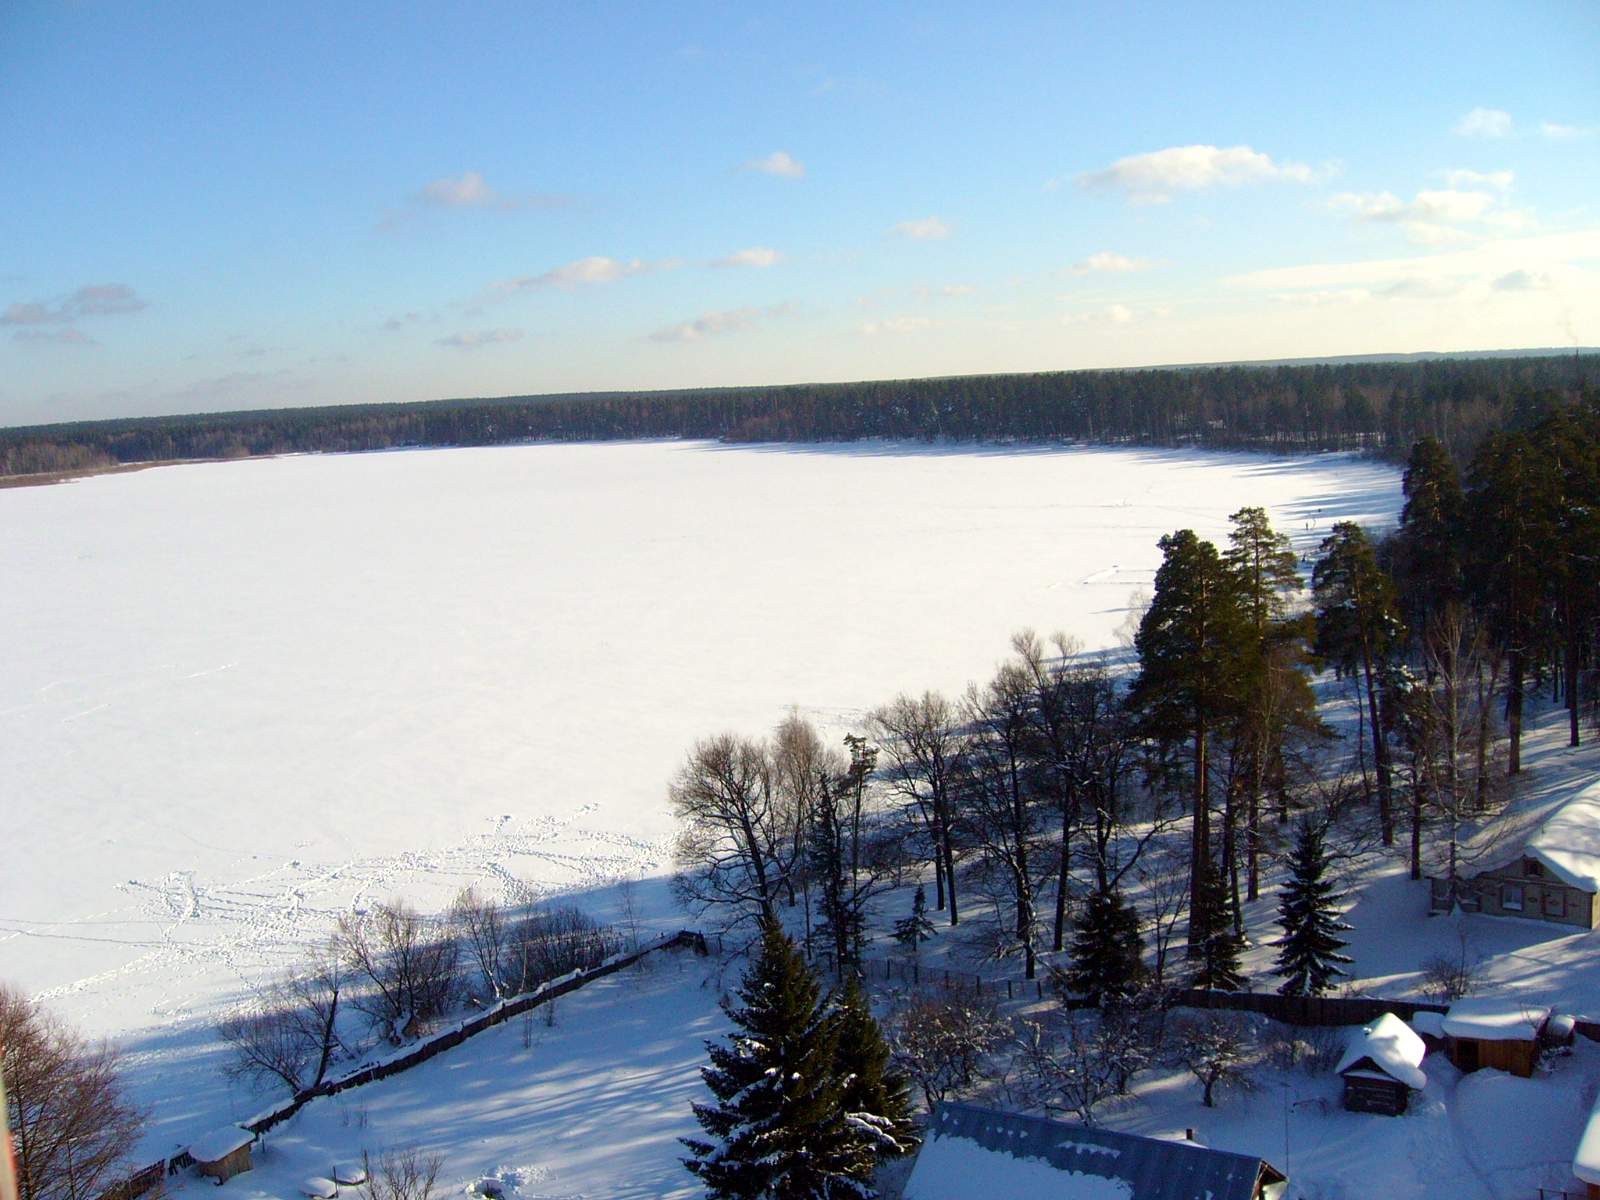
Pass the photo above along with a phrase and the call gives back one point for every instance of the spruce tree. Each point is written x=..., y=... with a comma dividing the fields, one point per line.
x=1211, y=934
x=912, y=931
x=1308, y=955
x=876, y=1098
x=1107, y=953
x=778, y=1128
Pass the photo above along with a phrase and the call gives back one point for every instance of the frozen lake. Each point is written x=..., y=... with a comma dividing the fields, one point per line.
x=237, y=699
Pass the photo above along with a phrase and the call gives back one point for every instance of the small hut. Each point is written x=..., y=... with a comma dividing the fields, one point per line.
x=1382, y=1066
x=1503, y=1034
x=223, y=1153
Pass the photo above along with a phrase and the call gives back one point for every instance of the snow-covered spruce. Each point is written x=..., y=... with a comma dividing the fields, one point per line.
x=1308, y=955
x=806, y=1103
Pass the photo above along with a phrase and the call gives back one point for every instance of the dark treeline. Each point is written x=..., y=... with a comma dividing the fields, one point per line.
x=1379, y=407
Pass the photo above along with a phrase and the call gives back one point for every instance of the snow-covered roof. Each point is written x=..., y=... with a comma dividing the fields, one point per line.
x=1495, y=1019
x=971, y=1151
x=1429, y=1024
x=1586, y=1162
x=1567, y=843
x=1392, y=1047
x=219, y=1143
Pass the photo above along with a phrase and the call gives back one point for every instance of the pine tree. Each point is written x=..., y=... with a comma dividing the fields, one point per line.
x=779, y=1128
x=1107, y=952
x=912, y=931
x=1358, y=627
x=876, y=1098
x=1309, y=958
x=1191, y=670
x=1211, y=933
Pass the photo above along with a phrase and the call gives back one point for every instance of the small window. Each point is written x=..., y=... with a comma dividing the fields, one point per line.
x=1535, y=868
x=1511, y=897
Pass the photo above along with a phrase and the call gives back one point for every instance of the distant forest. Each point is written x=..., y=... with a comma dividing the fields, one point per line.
x=1373, y=406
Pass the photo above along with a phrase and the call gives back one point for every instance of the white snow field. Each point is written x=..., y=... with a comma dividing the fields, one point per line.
x=239, y=699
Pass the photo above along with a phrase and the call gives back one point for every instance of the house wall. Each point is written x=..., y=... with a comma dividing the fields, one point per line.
x=1542, y=898
x=1375, y=1095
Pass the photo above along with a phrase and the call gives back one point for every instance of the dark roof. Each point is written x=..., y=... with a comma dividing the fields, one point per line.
x=1153, y=1168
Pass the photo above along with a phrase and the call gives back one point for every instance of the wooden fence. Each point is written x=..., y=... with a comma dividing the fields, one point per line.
x=147, y=1178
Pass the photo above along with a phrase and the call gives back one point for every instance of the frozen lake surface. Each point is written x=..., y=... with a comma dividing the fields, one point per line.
x=239, y=699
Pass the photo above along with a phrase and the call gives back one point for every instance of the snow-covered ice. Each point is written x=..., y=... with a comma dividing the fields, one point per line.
x=240, y=699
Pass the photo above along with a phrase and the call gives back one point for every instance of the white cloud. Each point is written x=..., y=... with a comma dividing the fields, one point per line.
x=1556, y=131
x=896, y=325
x=584, y=272
x=1485, y=260
x=1106, y=261
x=1433, y=218
x=780, y=163
x=755, y=256
x=1463, y=178
x=1324, y=299
x=90, y=300
x=1153, y=178
x=923, y=229
x=474, y=339
x=1485, y=123
x=957, y=289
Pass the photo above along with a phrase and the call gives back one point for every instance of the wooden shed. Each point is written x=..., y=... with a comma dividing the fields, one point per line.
x=223, y=1153
x=1502, y=1034
x=1381, y=1067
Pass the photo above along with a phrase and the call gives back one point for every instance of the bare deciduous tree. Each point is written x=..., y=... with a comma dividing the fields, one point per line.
x=734, y=853
x=409, y=966
x=1218, y=1050
x=71, y=1125
x=941, y=1042
x=292, y=1035
x=921, y=740
x=403, y=1174
x=480, y=924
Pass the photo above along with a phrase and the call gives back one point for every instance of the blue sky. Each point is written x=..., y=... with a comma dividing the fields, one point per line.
x=210, y=206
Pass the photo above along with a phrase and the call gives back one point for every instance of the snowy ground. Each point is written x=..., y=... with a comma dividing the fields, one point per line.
x=591, y=1107
x=240, y=699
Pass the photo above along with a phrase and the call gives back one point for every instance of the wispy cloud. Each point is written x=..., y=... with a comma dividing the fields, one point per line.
x=1521, y=281
x=396, y=323
x=780, y=163
x=1153, y=178
x=584, y=272
x=1485, y=123
x=713, y=323
x=1433, y=218
x=1463, y=178
x=922, y=229
x=1484, y=261
x=57, y=337
x=1556, y=131
x=477, y=339
x=755, y=256
x=91, y=300
x=958, y=289
x=894, y=325
x=1115, y=314
x=471, y=190
x=1106, y=261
